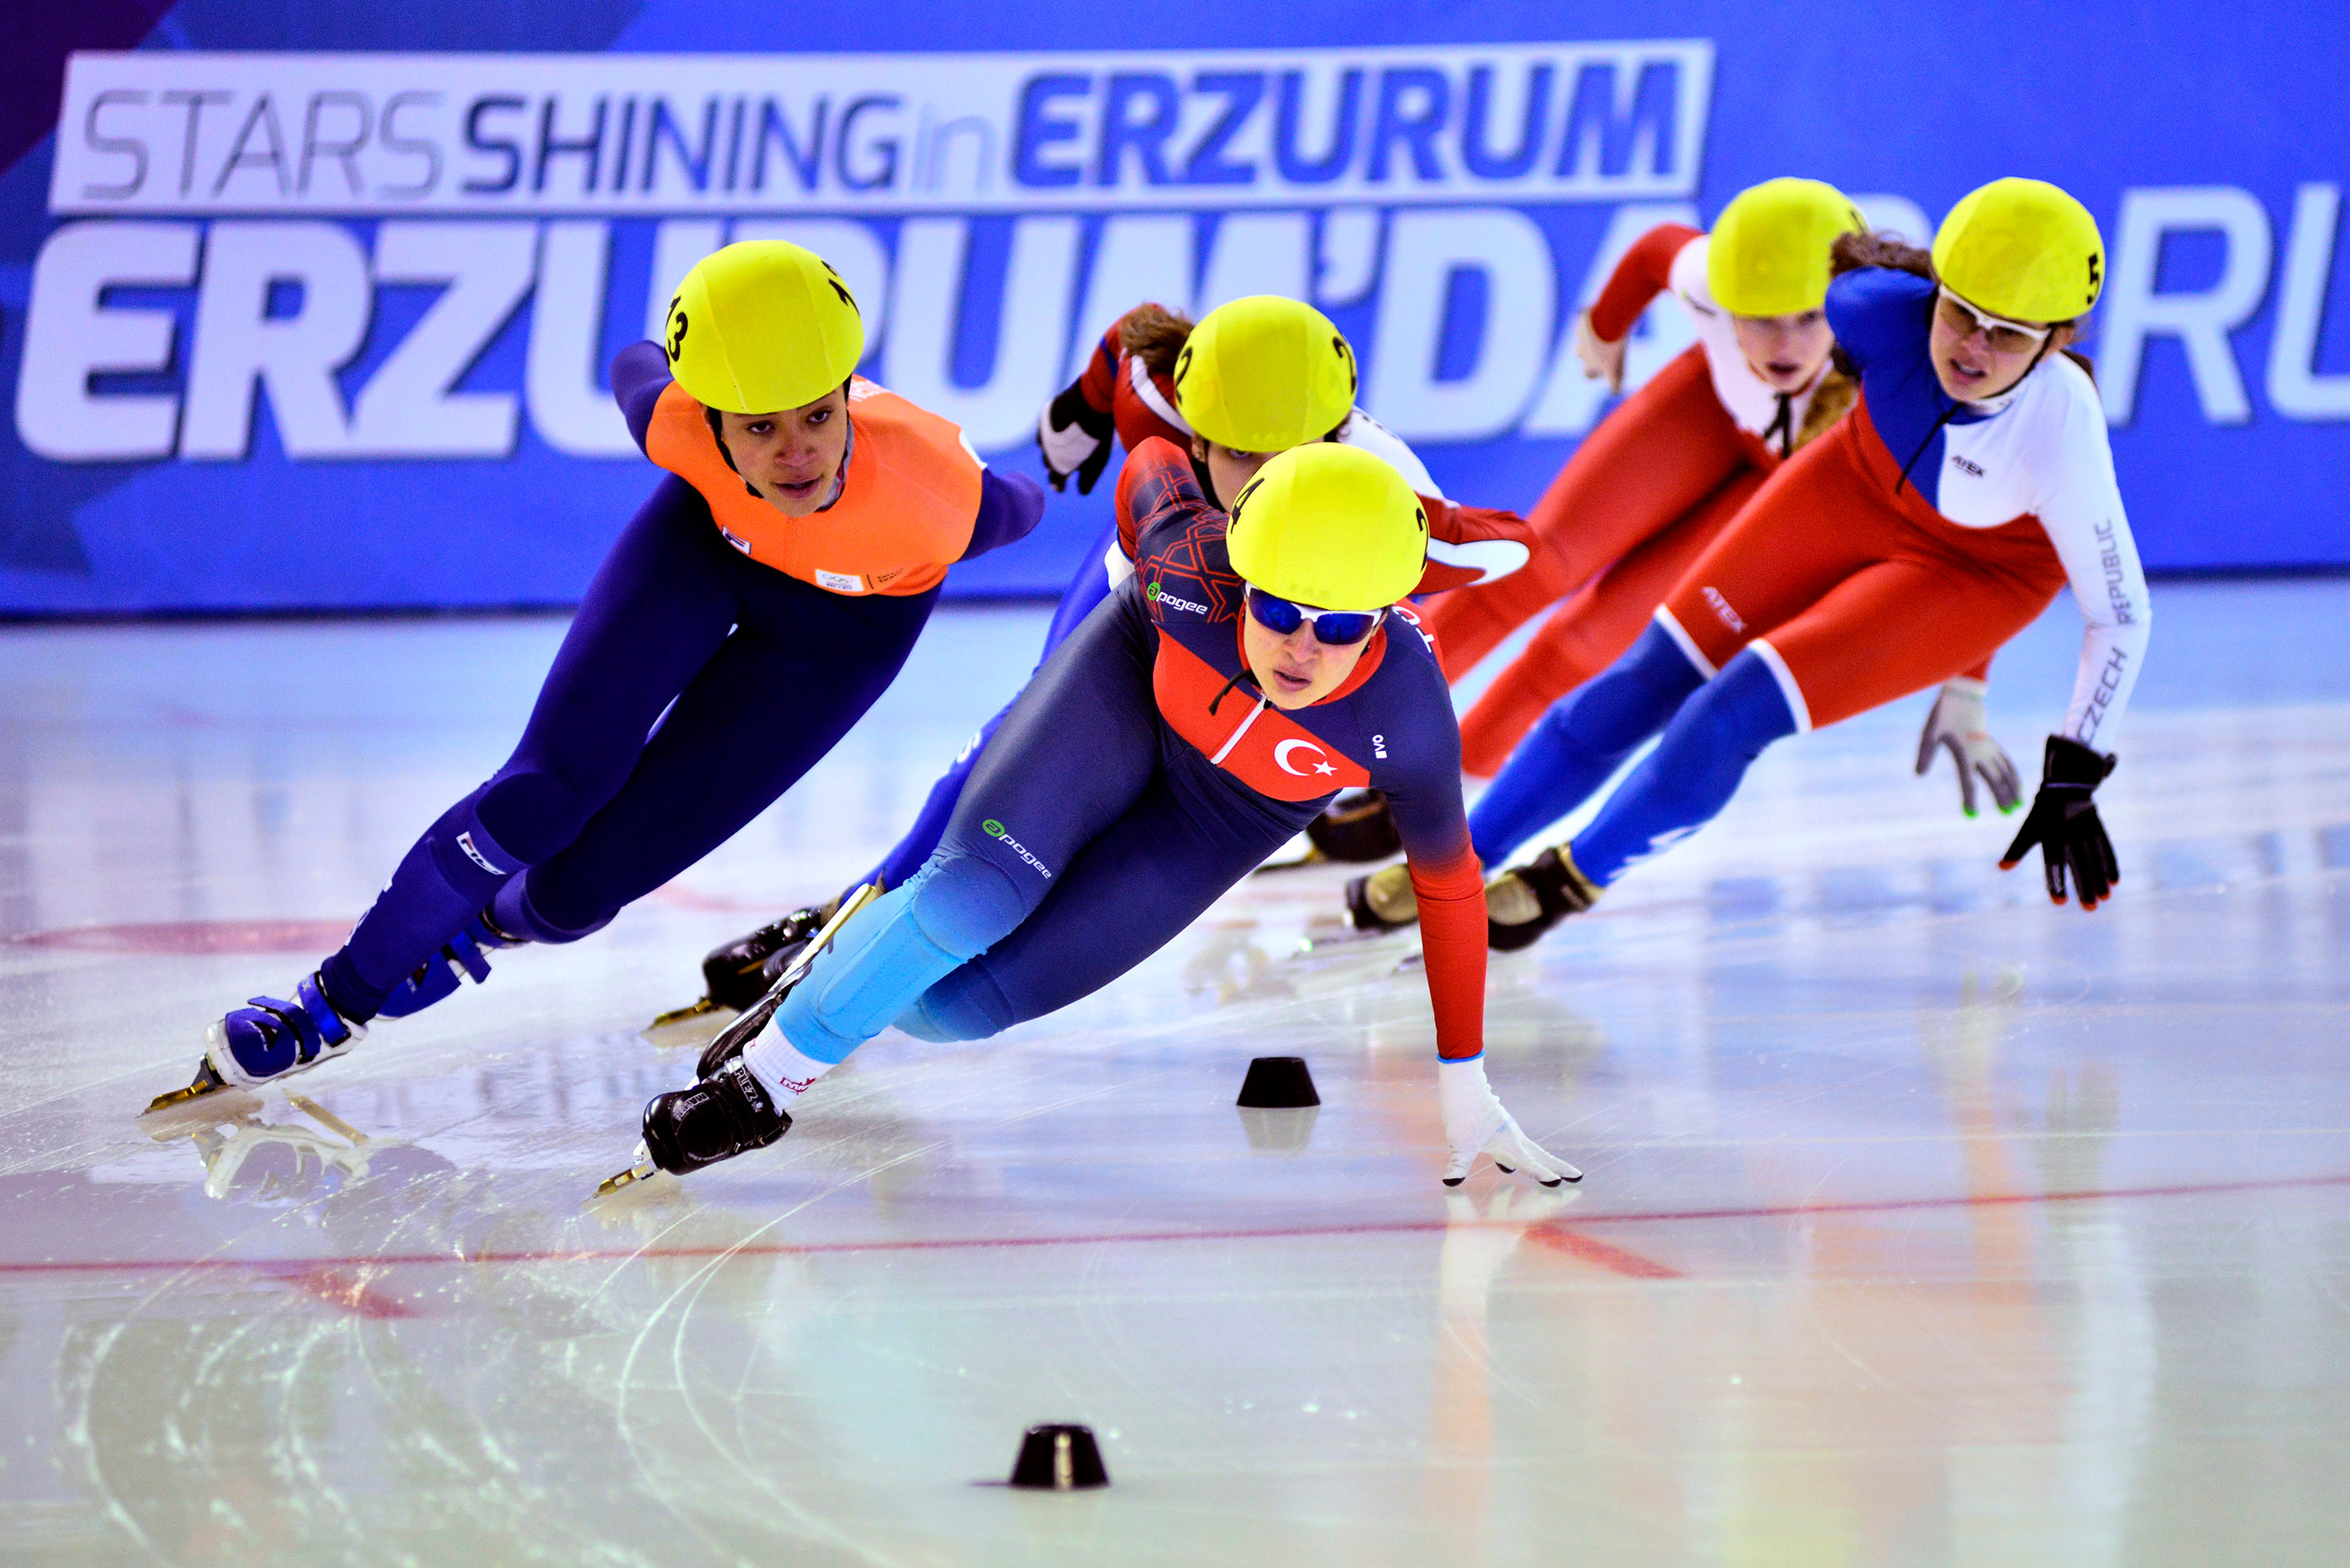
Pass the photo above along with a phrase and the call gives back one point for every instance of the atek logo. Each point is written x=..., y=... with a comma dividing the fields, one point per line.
x=1160, y=595
x=466, y=842
x=1722, y=607
x=1965, y=465
x=995, y=830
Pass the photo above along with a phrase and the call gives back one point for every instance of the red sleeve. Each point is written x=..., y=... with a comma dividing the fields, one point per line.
x=1099, y=382
x=1451, y=898
x=1980, y=673
x=1156, y=478
x=1646, y=272
x=1471, y=545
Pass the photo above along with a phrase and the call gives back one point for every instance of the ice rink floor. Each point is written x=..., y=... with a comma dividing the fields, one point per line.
x=1924, y=1223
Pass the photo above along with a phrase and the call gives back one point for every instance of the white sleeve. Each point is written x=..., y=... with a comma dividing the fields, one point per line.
x=2080, y=506
x=1374, y=438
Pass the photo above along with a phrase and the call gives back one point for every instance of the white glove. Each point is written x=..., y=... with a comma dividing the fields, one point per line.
x=1475, y=1123
x=1958, y=724
x=1601, y=360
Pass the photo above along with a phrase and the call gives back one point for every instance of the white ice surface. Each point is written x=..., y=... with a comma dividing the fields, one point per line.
x=1924, y=1223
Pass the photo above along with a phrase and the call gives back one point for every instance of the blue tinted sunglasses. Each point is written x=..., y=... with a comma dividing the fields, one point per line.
x=1336, y=628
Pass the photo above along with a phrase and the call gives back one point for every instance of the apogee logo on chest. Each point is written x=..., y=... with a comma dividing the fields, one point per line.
x=1160, y=595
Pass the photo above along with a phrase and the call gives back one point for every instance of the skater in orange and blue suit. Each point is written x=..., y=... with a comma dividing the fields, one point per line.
x=761, y=599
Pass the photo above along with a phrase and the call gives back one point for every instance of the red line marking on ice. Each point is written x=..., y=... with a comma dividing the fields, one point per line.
x=182, y=936
x=1138, y=1238
x=348, y=1289
x=1590, y=1250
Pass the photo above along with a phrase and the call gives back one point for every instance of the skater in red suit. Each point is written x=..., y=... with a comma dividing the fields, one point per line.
x=1973, y=480
x=1665, y=472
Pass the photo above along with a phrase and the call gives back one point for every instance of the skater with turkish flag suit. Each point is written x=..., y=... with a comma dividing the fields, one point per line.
x=753, y=610
x=1254, y=376
x=1250, y=668
x=1973, y=480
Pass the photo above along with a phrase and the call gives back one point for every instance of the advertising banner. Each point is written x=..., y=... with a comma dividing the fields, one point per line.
x=325, y=326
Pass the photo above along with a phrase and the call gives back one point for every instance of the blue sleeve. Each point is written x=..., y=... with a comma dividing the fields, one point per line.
x=1009, y=506
x=640, y=375
x=1877, y=311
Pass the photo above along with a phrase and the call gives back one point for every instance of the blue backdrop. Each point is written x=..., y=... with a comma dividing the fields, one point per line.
x=289, y=323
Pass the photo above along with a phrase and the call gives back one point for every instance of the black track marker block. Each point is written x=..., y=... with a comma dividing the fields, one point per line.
x=1278, y=1083
x=1060, y=1458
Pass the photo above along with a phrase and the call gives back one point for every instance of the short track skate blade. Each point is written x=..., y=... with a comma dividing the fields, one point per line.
x=207, y=1083
x=699, y=1008
x=326, y=1118
x=642, y=1170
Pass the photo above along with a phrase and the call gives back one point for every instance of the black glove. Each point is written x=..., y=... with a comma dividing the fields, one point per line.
x=1074, y=436
x=2063, y=823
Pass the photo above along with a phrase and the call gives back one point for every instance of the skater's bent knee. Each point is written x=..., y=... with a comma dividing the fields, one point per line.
x=965, y=1005
x=966, y=904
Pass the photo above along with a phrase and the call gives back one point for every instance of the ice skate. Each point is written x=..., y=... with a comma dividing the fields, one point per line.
x=460, y=959
x=1356, y=827
x=1524, y=901
x=715, y=1119
x=736, y=974
x=268, y=1039
x=1383, y=902
x=783, y=970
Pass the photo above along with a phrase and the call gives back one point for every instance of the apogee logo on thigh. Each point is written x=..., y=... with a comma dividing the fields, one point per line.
x=996, y=831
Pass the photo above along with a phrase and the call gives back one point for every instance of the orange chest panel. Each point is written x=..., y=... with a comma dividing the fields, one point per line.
x=1267, y=750
x=904, y=515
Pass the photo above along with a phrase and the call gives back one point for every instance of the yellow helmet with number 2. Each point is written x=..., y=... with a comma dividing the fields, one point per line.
x=1331, y=526
x=1768, y=254
x=761, y=326
x=2022, y=248
x=1264, y=374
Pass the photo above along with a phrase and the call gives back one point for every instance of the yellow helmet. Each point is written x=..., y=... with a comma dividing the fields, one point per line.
x=2022, y=248
x=1264, y=374
x=1331, y=526
x=1768, y=255
x=761, y=326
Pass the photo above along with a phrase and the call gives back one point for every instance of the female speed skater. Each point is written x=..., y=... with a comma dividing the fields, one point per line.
x=1664, y=473
x=1973, y=479
x=754, y=608
x=1255, y=375
x=1250, y=668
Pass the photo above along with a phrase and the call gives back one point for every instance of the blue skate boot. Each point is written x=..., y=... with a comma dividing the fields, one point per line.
x=440, y=975
x=267, y=1039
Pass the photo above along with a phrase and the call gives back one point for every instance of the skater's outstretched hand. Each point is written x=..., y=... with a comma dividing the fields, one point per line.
x=1075, y=438
x=2064, y=822
x=1601, y=360
x=1958, y=723
x=1475, y=1123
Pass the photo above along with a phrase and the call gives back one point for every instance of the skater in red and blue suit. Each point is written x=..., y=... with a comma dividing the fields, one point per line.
x=1254, y=376
x=1249, y=670
x=753, y=610
x=1972, y=483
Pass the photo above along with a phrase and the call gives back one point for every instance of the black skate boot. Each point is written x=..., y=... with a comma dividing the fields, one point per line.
x=739, y=973
x=1356, y=828
x=1383, y=902
x=1526, y=900
x=717, y=1118
x=733, y=976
